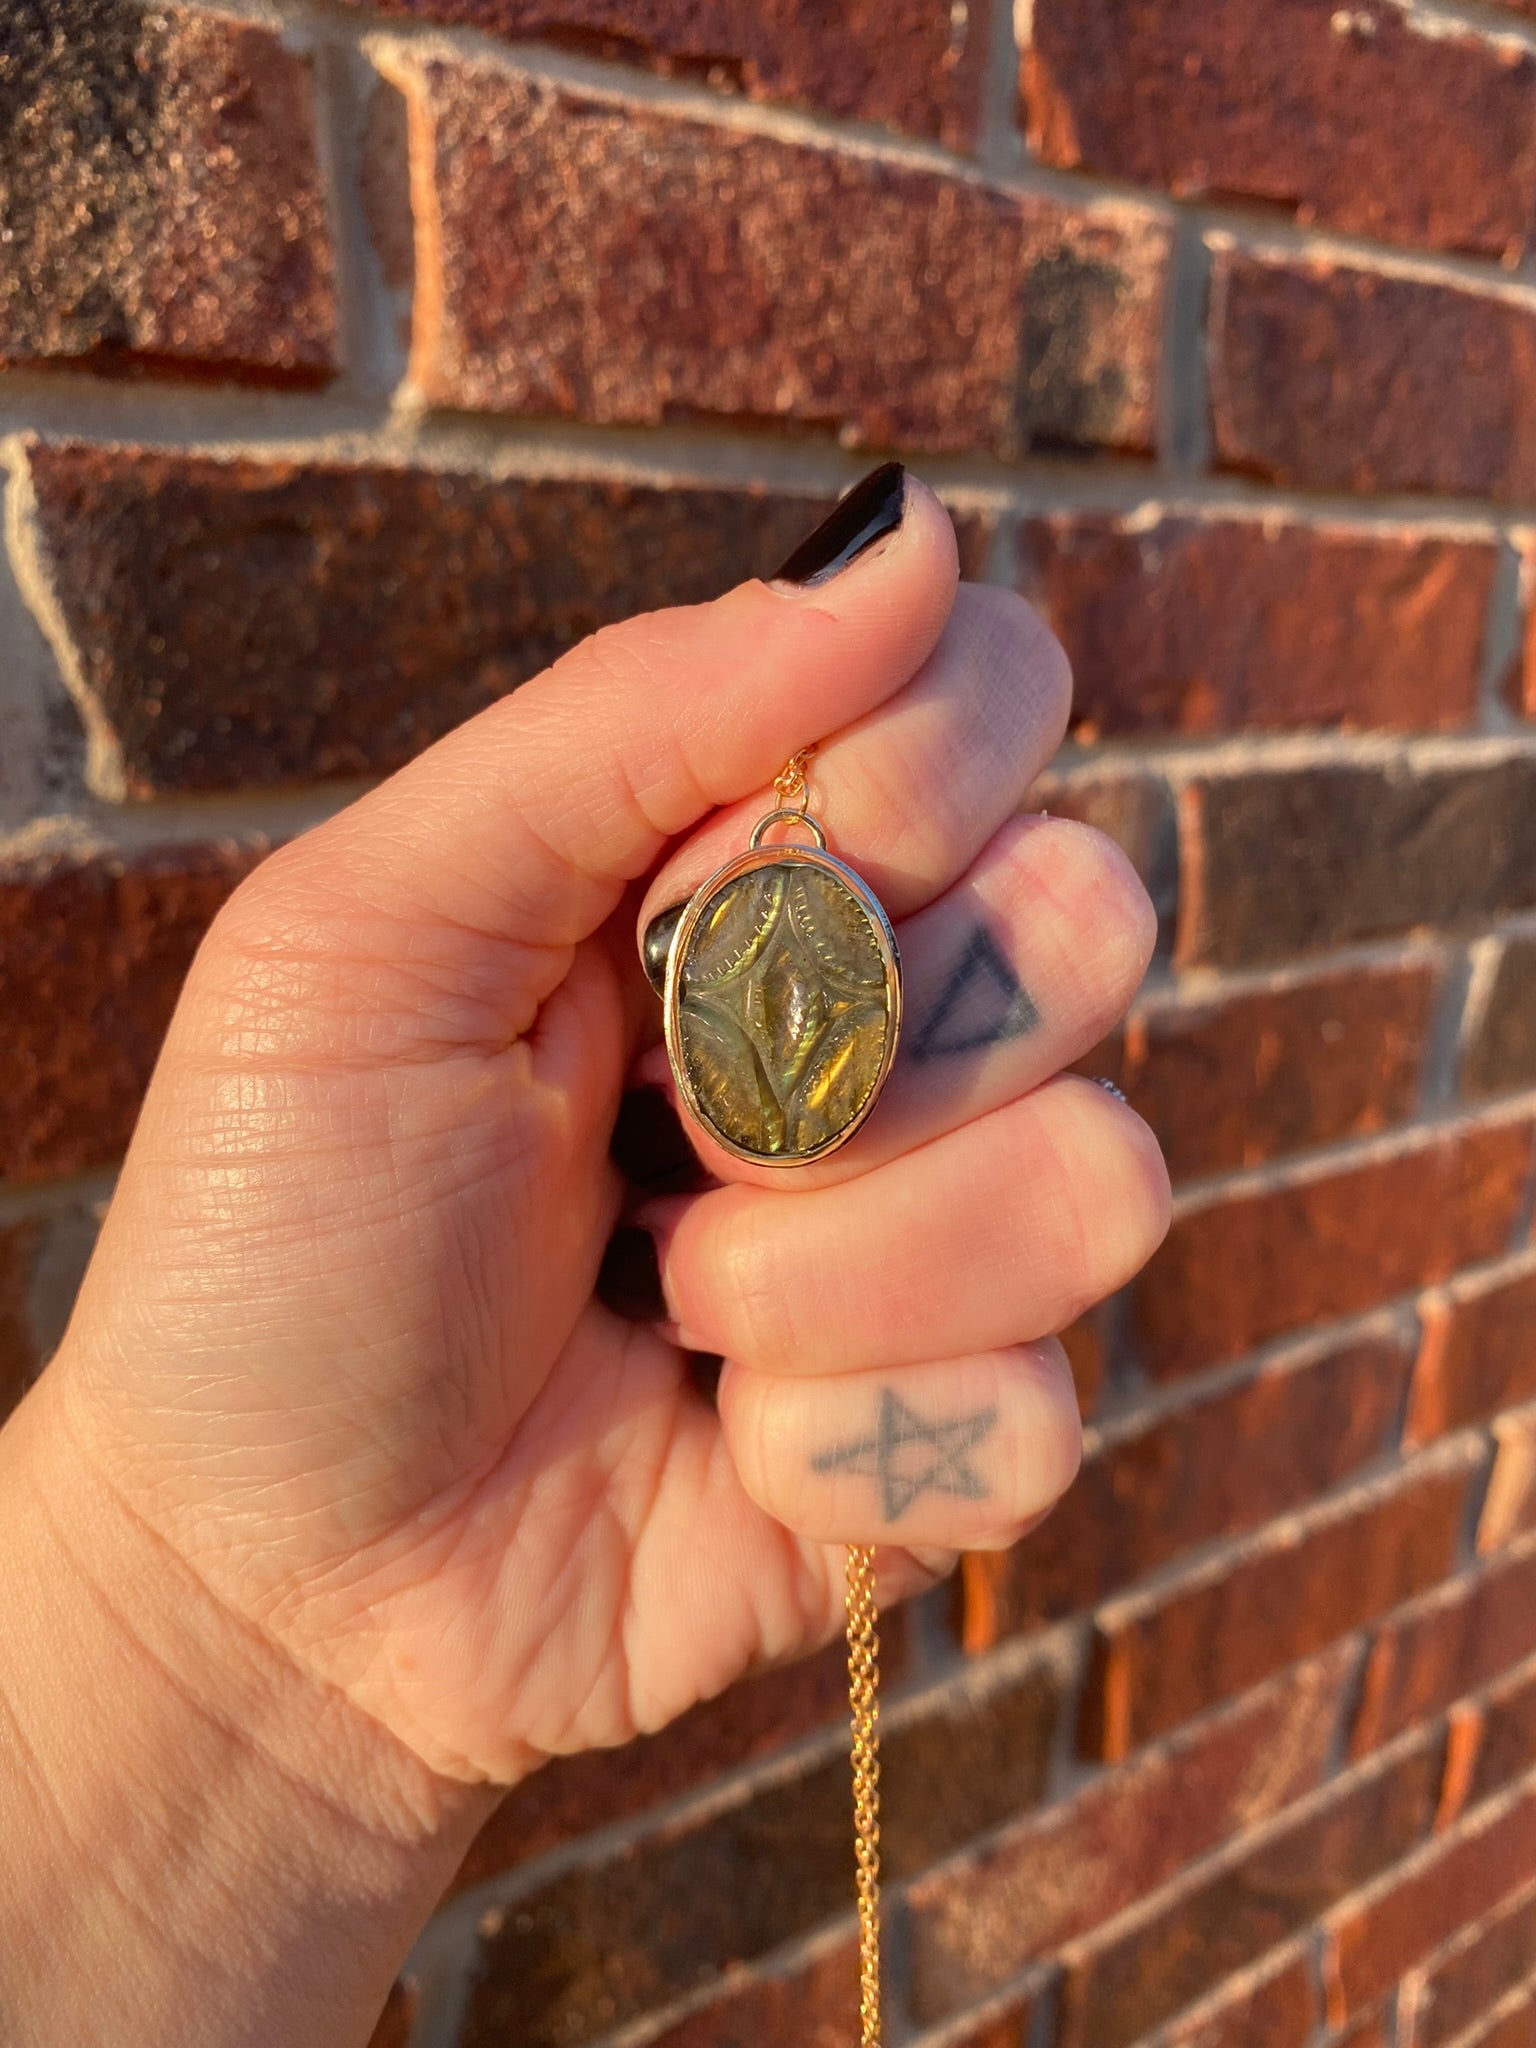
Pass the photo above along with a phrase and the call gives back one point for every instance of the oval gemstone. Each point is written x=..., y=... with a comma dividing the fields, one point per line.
x=784, y=1008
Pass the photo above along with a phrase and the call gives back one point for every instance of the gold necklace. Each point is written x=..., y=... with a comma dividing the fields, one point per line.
x=783, y=1006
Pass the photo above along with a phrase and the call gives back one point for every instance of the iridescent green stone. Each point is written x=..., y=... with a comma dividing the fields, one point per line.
x=784, y=1008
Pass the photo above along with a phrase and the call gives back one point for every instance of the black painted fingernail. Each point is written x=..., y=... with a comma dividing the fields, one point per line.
x=650, y=1147
x=871, y=510
x=657, y=943
x=629, y=1279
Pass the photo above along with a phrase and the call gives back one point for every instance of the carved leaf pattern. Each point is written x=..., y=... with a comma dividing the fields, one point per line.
x=785, y=1010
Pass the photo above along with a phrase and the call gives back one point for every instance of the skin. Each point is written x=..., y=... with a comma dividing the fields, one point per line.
x=346, y=1502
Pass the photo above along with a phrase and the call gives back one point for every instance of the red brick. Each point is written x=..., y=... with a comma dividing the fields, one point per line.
x=1280, y=2011
x=1164, y=1656
x=162, y=196
x=1373, y=2030
x=1513, y=2025
x=1144, y=608
x=1247, y=1076
x=1218, y=1466
x=573, y=1795
x=974, y=1925
x=1501, y=1053
x=1357, y=119
x=1286, y=861
x=1086, y=1343
x=1505, y=1721
x=1370, y=1946
x=93, y=952
x=600, y=1943
x=1477, y=1354
x=1447, y=1645
x=908, y=63
x=18, y=1343
x=1335, y=377
x=594, y=261
x=1250, y=1265
x=1509, y=1506
x=1474, y=1974
x=1120, y=1986
x=265, y=622
x=815, y=2005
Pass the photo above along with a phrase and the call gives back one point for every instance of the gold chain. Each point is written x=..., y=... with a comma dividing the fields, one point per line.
x=864, y=1707
x=789, y=784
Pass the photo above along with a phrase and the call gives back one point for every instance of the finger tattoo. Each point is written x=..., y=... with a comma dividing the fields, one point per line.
x=910, y=1457
x=982, y=1003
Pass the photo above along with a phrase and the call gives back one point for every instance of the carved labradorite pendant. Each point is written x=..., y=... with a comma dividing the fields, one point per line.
x=783, y=997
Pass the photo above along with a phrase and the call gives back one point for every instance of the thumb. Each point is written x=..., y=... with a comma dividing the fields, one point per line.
x=528, y=821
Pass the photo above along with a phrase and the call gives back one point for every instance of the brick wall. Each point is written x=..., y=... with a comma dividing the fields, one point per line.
x=360, y=358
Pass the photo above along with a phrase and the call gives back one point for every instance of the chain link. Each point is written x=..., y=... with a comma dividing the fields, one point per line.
x=864, y=1707
x=789, y=784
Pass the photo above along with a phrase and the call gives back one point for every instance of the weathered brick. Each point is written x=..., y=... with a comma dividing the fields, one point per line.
x=974, y=1925
x=160, y=195
x=1447, y=1645
x=601, y=1943
x=1476, y=1355
x=1281, y=2010
x=1284, y=861
x=1460, y=1878
x=1333, y=376
x=1247, y=1076
x=1509, y=1506
x=573, y=1795
x=1251, y=1265
x=1505, y=1723
x=18, y=1343
x=1162, y=1657
x=93, y=952
x=1500, y=1055
x=1119, y=1987
x=1512, y=2024
x=1218, y=1466
x=812, y=2006
x=913, y=65
x=1358, y=119
x=1473, y=1973
x=265, y=622
x=603, y=262
x=1143, y=606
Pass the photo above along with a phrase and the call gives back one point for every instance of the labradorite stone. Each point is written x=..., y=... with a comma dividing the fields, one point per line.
x=784, y=1009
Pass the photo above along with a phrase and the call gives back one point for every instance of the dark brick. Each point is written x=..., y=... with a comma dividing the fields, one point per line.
x=398, y=2017
x=93, y=952
x=1355, y=118
x=813, y=2006
x=1162, y=1657
x=1506, y=1736
x=160, y=195
x=975, y=1925
x=1120, y=1987
x=1476, y=1355
x=261, y=622
x=1370, y=1946
x=913, y=64
x=1144, y=609
x=1245, y=1077
x=1214, y=1467
x=1457, y=1639
x=1501, y=1055
x=600, y=1944
x=573, y=1795
x=18, y=1344
x=1336, y=377
x=1281, y=2011
x=1474, y=1974
x=615, y=263
x=1279, y=862
x=1250, y=1266
x=1509, y=1506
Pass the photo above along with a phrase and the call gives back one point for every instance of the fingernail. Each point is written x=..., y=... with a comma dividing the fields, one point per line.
x=650, y=1147
x=871, y=510
x=629, y=1279
x=657, y=943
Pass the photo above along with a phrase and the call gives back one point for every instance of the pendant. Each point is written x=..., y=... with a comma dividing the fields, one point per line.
x=783, y=994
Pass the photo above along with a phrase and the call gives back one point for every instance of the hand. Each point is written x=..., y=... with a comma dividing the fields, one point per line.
x=339, y=1349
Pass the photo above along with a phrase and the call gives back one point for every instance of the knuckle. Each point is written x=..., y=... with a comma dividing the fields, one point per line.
x=749, y=1270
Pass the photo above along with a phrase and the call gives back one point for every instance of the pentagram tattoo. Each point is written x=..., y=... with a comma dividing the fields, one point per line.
x=911, y=1457
x=981, y=1003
